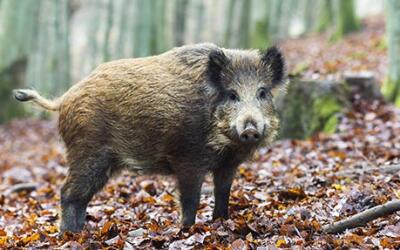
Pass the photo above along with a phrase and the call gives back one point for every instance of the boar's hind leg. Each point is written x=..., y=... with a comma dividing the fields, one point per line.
x=85, y=178
x=223, y=178
x=189, y=183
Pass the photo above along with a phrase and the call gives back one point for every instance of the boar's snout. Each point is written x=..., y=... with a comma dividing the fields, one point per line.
x=250, y=134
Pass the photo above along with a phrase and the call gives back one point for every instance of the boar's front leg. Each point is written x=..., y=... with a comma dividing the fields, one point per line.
x=189, y=183
x=223, y=178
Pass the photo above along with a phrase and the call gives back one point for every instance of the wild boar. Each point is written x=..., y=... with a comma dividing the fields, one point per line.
x=189, y=111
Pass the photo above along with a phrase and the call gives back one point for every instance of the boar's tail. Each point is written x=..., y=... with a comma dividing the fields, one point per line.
x=25, y=95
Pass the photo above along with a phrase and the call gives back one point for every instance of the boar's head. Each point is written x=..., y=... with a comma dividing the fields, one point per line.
x=241, y=87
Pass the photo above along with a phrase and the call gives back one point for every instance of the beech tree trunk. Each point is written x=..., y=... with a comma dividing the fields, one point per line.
x=391, y=86
x=19, y=24
x=346, y=20
x=326, y=16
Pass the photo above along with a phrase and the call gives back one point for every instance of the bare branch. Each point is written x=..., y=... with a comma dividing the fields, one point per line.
x=20, y=188
x=363, y=218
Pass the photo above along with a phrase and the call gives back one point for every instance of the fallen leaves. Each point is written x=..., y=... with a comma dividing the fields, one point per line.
x=281, y=243
x=239, y=244
x=3, y=241
x=280, y=200
x=3, y=238
x=109, y=230
x=30, y=239
x=292, y=193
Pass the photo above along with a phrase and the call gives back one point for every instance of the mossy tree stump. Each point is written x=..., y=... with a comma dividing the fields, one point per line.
x=309, y=107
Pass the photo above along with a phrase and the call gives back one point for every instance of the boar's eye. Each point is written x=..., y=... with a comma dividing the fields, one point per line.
x=262, y=93
x=232, y=96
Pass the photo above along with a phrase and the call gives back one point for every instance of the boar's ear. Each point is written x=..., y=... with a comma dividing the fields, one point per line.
x=217, y=61
x=272, y=61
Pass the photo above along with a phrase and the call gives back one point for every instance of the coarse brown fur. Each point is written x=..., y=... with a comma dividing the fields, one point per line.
x=166, y=114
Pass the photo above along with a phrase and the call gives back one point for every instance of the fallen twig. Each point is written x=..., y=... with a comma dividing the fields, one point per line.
x=363, y=218
x=20, y=188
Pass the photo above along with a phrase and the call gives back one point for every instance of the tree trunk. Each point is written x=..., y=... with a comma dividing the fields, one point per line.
x=311, y=11
x=275, y=11
x=92, y=44
x=346, y=20
x=159, y=27
x=180, y=21
x=143, y=28
x=199, y=21
x=18, y=29
x=107, y=33
x=49, y=60
x=259, y=28
x=244, y=26
x=11, y=78
x=229, y=23
x=326, y=16
x=391, y=86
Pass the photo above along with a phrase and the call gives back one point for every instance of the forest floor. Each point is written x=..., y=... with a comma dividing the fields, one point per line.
x=279, y=200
